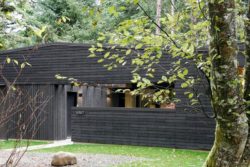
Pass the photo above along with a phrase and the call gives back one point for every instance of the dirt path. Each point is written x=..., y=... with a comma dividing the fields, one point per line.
x=35, y=159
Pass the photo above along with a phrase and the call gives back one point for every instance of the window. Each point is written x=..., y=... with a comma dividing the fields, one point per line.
x=115, y=99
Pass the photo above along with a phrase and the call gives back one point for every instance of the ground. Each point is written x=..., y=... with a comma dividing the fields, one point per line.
x=152, y=156
x=35, y=159
x=104, y=155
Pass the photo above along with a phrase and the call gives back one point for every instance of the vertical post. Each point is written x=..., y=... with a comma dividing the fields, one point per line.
x=130, y=100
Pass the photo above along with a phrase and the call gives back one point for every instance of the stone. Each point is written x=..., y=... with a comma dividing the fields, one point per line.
x=63, y=159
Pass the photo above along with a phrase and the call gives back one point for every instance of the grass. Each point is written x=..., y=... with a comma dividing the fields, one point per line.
x=158, y=157
x=7, y=144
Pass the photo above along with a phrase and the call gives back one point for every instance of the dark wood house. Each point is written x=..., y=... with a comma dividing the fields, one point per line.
x=96, y=116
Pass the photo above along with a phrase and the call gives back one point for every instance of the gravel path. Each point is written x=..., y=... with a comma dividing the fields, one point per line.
x=34, y=159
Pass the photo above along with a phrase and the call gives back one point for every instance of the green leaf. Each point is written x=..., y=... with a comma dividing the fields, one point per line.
x=139, y=46
x=64, y=19
x=22, y=65
x=99, y=50
x=180, y=75
x=110, y=68
x=106, y=55
x=38, y=32
x=100, y=60
x=184, y=85
x=191, y=95
x=124, y=63
x=164, y=78
x=99, y=45
x=58, y=76
x=194, y=101
x=150, y=75
x=27, y=63
x=112, y=11
x=123, y=8
x=13, y=88
x=191, y=48
x=136, y=1
x=128, y=52
x=118, y=90
x=8, y=60
x=92, y=49
x=101, y=38
x=185, y=72
x=92, y=55
x=15, y=61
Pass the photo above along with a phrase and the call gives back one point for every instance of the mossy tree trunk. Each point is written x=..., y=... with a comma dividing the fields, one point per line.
x=245, y=160
x=231, y=121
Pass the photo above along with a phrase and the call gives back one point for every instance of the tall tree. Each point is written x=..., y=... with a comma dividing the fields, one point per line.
x=158, y=16
x=245, y=160
x=231, y=122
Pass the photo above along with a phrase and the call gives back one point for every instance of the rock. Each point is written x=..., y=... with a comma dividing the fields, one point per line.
x=63, y=159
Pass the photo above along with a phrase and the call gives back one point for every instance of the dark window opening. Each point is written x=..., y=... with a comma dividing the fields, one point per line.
x=115, y=99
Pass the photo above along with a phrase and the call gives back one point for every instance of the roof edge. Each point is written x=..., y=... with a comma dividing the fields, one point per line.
x=241, y=46
x=44, y=45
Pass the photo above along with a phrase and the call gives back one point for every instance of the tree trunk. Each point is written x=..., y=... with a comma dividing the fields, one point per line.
x=172, y=12
x=245, y=160
x=158, y=16
x=98, y=2
x=231, y=121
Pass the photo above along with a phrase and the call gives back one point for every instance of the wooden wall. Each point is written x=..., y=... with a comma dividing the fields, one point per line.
x=43, y=117
x=148, y=127
x=53, y=117
x=94, y=96
x=71, y=60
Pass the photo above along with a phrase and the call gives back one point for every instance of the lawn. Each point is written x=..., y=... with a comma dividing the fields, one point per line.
x=158, y=157
x=6, y=144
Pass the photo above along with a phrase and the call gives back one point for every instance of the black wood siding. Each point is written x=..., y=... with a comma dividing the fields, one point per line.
x=53, y=118
x=70, y=60
x=43, y=116
x=148, y=127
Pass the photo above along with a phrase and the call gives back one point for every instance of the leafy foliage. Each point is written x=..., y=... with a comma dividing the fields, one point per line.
x=179, y=40
x=78, y=20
